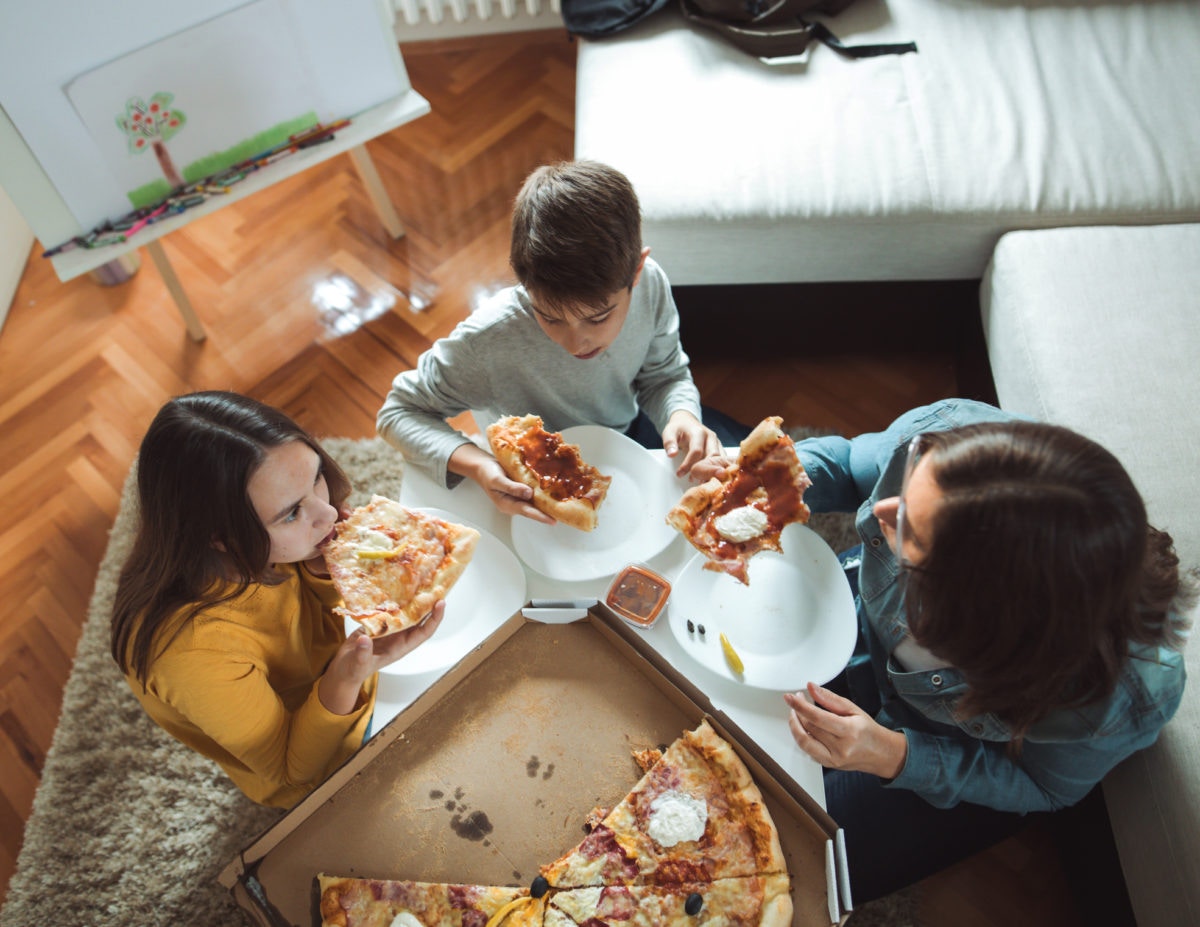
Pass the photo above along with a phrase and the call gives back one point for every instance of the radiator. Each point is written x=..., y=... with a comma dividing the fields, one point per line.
x=438, y=19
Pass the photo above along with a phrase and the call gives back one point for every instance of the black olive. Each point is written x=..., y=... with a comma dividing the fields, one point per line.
x=539, y=887
x=701, y=629
x=690, y=626
x=693, y=904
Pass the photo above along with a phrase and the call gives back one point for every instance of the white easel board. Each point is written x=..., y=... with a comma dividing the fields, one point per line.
x=236, y=63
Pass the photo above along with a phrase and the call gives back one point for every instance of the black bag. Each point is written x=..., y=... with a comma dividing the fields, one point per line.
x=598, y=18
x=775, y=29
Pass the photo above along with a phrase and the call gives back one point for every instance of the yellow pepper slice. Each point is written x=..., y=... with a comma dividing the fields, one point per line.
x=500, y=915
x=375, y=554
x=731, y=656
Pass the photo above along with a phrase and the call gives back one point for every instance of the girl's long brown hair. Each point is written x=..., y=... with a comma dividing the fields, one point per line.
x=1041, y=571
x=199, y=541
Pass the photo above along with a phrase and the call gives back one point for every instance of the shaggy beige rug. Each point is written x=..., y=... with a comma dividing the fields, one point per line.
x=129, y=828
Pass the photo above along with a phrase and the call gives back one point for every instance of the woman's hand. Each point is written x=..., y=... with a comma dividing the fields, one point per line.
x=837, y=733
x=360, y=657
x=685, y=432
x=713, y=465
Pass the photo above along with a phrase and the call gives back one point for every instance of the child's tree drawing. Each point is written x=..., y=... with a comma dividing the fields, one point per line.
x=150, y=126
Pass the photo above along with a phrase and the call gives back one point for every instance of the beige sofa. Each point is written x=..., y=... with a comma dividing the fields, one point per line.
x=1098, y=329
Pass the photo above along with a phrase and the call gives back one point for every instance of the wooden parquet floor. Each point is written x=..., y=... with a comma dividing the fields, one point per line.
x=83, y=368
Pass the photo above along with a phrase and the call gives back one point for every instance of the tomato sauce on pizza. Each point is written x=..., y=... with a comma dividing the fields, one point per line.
x=734, y=516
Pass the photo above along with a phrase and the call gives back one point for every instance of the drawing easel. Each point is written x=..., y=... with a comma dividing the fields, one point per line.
x=46, y=210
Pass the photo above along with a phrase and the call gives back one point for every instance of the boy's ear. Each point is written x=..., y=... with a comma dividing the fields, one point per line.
x=637, y=274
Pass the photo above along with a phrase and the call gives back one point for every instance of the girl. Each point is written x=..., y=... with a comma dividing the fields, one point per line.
x=223, y=621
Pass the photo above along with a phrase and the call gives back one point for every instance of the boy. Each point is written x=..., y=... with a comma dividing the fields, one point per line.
x=590, y=336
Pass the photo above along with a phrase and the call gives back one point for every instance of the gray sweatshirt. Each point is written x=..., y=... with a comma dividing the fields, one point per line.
x=499, y=362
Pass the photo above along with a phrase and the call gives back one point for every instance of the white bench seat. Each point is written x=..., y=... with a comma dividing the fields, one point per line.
x=1012, y=115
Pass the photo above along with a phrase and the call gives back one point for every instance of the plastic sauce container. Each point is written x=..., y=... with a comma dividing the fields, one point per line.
x=638, y=595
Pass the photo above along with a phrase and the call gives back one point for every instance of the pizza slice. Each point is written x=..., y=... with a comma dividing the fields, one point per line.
x=753, y=900
x=732, y=517
x=353, y=902
x=695, y=816
x=564, y=486
x=391, y=564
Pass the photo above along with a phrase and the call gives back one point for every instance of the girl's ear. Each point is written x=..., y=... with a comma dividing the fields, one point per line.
x=218, y=545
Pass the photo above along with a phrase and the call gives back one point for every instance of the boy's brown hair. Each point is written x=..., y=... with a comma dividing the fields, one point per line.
x=576, y=235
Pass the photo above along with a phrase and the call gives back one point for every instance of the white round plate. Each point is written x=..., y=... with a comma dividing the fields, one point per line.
x=489, y=592
x=793, y=624
x=632, y=522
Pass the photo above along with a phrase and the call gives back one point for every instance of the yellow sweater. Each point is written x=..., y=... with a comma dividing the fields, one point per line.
x=239, y=685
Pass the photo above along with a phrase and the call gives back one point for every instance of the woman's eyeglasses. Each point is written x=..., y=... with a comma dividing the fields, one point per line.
x=915, y=447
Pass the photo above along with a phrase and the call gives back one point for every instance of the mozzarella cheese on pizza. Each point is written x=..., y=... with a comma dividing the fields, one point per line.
x=732, y=517
x=391, y=563
x=564, y=486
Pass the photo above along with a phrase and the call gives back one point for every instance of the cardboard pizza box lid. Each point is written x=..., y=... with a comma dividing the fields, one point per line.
x=492, y=771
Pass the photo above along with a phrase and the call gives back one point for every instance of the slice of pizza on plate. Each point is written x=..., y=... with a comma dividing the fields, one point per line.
x=732, y=517
x=564, y=486
x=391, y=563
x=357, y=902
x=695, y=816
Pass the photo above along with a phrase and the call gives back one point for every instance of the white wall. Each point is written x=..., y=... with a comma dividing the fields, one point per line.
x=450, y=27
x=15, y=242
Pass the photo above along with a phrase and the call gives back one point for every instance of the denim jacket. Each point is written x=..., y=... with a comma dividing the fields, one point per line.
x=953, y=759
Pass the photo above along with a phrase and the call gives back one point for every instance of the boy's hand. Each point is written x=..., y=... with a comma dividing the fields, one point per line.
x=360, y=657
x=509, y=496
x=685, y=432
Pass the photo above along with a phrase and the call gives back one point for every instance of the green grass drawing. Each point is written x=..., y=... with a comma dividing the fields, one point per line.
x=156, y=191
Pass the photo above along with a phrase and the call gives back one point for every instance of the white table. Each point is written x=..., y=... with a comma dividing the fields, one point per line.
x=762, y=714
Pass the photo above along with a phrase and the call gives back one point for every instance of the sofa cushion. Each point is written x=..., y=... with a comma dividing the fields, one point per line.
x=1097, y=329
x=1012, y=115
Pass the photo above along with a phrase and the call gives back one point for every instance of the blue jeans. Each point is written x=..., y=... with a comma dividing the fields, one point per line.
x=894, y=837
x=729, y=430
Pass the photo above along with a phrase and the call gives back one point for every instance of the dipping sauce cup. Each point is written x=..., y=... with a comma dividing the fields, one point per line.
x=638, y=595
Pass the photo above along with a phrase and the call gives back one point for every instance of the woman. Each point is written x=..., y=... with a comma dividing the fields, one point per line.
x=223, y=621
x=1020, y=624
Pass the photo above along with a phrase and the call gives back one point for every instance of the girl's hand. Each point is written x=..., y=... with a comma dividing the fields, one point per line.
x=360, y=657
x=837, y=733
x=685, y=432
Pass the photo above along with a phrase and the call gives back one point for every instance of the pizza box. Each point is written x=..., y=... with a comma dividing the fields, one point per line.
x=491, y=772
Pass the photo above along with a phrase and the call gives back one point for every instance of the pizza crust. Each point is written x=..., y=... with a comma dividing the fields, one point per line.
x=576, y=510
x=391, y=564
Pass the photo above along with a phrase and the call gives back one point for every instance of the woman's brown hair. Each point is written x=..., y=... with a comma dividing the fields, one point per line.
x=576, y=235
x=1041, y=570
x=199, y=541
